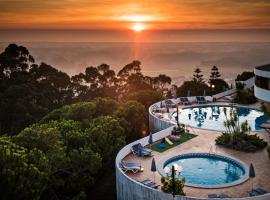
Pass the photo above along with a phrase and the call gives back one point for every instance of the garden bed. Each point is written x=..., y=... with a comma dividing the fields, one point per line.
x=184, y=137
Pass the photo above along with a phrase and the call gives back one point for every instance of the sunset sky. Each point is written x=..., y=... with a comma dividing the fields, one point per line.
x=139, y=15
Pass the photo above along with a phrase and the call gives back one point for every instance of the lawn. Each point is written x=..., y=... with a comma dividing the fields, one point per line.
x=184, y=137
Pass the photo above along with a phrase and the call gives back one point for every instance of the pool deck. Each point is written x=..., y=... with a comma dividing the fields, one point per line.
x=202, y=143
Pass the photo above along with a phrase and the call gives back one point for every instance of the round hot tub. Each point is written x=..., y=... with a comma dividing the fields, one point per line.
x=207, y=170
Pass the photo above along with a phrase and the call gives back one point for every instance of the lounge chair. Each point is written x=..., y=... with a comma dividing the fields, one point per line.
x=145, y=181
x=152, y=185
x=168, y=141
x=155, y=108
x=218, y=196
x=169, y=103
x=145, y=148
x=187, y=101
x=257, y=192
x=198, y=99
x=140, y=150
x=149, y=183
x=184, y=101
x=201, y=99
x=134, y=167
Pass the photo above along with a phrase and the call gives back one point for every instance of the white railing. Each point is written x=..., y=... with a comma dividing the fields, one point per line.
x=226, y=93
x=247, y=84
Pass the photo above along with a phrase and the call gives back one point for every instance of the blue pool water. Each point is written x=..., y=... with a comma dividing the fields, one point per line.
x=204, y=170
x=212, y=117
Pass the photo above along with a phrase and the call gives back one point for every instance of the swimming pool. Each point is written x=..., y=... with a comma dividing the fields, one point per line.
x=208, y=170
x=212, y=117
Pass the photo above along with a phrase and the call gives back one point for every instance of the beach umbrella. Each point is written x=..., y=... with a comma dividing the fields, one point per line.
x=153, y=167
x=188, y=93
x=251, y=173
x=150, y=139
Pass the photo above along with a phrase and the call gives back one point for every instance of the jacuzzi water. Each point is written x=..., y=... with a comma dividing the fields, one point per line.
x=213, y=117
x=208, y=170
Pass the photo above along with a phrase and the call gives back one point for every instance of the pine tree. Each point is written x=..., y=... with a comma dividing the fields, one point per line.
x=214, y=73
x=197, y=76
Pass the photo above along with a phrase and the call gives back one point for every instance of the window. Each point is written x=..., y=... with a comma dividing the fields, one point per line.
x=262, y=82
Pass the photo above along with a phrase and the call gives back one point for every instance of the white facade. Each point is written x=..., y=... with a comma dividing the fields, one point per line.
x=262, y=83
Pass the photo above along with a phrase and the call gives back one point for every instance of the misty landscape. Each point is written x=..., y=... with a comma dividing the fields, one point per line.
x=177, y=60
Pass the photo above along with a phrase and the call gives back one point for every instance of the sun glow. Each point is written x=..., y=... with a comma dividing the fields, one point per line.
x=138, y=27
x=137, y=18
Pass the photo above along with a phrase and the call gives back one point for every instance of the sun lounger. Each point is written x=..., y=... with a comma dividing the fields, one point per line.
x=218, y=196
x=134, y=167
x=198, y=99
x=140, y=150
x=168, y=141
x=145, y=148
x=210, y=196
x=201, y=99
x=152, y=185
x=187, y=101
x=257, y=192
x=169, y=103
x=149, y=183
x=184, y=100
x=156, y=108
x=145, y=181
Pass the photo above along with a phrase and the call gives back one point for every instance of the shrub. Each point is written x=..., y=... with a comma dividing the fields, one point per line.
x=168, y=183
x=245, y=96
x=235, y=136
x=241, y=142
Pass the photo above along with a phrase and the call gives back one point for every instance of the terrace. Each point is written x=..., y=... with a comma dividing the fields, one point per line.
x=204, y=142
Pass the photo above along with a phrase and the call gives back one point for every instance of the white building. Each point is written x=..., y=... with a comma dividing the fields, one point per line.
x=262, y=83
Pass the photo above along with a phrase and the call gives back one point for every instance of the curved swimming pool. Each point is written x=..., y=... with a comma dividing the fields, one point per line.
x=212, y=117
x=208, y=170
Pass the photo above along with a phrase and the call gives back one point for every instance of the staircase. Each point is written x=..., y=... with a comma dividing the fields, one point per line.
x=248, y=84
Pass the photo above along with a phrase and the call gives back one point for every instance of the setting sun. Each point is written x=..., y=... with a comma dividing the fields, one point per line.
x=138, y=27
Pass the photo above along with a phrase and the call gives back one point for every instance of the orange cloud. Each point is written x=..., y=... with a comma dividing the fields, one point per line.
x=121, y=14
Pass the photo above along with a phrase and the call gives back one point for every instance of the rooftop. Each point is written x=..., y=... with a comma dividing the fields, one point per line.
x=265, y=67
x=202, y=143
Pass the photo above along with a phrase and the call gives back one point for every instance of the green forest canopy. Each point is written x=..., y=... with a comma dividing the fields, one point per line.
x=59, y=135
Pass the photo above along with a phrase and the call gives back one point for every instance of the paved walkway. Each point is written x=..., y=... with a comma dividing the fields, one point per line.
x=202, y=143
